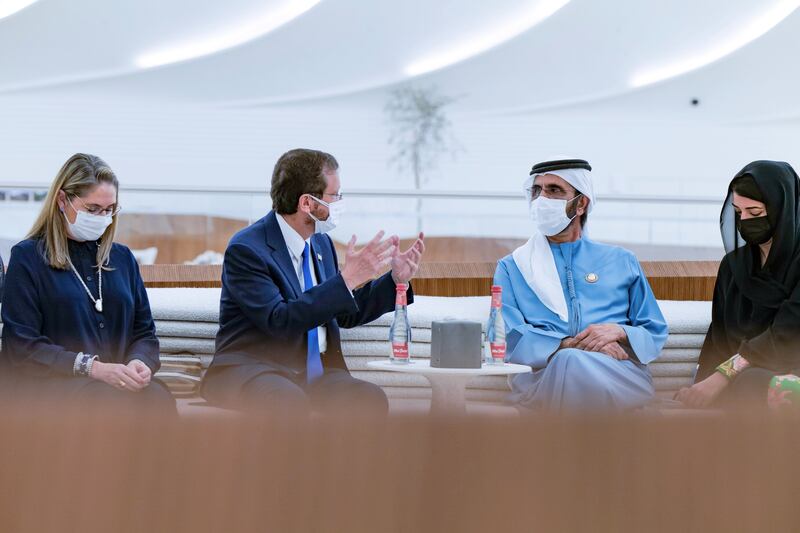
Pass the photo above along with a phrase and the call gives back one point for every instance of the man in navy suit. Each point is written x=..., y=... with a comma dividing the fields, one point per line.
x=278, y=349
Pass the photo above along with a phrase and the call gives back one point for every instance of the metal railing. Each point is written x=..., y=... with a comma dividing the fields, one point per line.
x=393, y=193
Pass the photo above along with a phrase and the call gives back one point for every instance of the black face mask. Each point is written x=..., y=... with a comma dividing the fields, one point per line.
x=755, y=230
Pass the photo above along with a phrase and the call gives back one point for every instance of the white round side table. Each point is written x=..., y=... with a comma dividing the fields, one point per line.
x=448, y=385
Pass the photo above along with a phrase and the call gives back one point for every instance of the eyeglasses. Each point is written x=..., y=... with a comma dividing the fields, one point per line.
x=99, y=211
x=337, y=196
x=549, y=191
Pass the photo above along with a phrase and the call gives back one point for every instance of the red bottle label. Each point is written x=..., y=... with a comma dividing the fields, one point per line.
x=400, y=351
x=401, y=299
x=498, y=350
x=497, y=299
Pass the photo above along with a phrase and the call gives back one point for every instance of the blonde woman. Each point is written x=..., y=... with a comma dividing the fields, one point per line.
x=76, y=318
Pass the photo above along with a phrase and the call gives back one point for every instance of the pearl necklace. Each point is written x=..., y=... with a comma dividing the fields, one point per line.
x=98, y=303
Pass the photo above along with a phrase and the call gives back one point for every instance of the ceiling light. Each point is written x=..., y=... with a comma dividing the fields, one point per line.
x=253, y=28
x=757, y=27
x=9, y=7
x=475, y=44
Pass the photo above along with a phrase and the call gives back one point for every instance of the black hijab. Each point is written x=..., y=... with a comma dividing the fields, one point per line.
x=780, y=191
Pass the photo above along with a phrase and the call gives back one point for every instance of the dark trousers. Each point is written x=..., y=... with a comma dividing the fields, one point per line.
x=277, y=395
x=748, y=391
x=86, y=392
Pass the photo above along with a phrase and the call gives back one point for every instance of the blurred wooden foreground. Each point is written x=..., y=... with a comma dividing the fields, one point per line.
x=87, y=472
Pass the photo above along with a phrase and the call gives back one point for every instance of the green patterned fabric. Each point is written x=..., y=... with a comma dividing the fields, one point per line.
x=784, y=391
x=731, y=368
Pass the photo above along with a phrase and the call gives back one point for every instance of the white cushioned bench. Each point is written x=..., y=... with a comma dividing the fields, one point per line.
x=187, y=321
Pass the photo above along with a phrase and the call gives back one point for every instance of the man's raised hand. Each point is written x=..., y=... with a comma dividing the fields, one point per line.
x=365, y=264
x=406, y=264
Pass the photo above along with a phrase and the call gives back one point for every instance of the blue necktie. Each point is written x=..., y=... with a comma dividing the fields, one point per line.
x=313, y=359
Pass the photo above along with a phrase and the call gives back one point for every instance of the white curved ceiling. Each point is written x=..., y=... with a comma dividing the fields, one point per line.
x=228, y=35
x=578, y=51
x=9, y=7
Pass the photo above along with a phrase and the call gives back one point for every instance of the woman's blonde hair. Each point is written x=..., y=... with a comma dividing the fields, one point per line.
x=79, y=175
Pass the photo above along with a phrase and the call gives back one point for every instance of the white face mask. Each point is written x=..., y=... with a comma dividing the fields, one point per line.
x=87, y=227
x=550, y=215
x=335, y=212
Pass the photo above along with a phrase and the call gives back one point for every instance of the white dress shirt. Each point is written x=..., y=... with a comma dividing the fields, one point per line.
x=296, y=245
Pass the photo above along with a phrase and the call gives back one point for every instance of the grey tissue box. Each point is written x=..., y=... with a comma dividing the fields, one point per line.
x=456, y=344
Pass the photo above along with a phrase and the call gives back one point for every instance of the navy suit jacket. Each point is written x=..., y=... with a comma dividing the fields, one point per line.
x=2, y=276
x=265, y=315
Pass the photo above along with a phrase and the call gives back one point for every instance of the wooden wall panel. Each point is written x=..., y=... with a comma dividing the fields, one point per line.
x=172, y=276
x=457, y=249
x=682, y=280
x=178, y=238
x=676, y=280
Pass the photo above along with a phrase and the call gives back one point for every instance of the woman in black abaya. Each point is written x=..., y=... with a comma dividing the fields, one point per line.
x=751, y=354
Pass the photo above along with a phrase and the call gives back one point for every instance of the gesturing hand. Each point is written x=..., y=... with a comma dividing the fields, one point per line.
x=615, y=350
x=703, y=393
x=365, y=264
x=593, y=338
x=117, y=375
x=406, y=264
x=566, y=342
x=142, y=369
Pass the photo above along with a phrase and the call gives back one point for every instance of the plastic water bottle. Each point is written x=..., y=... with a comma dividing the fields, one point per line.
x=400, y=331
x=496, y=329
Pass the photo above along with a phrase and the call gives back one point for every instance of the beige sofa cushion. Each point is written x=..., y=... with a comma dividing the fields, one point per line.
x=186, y=322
